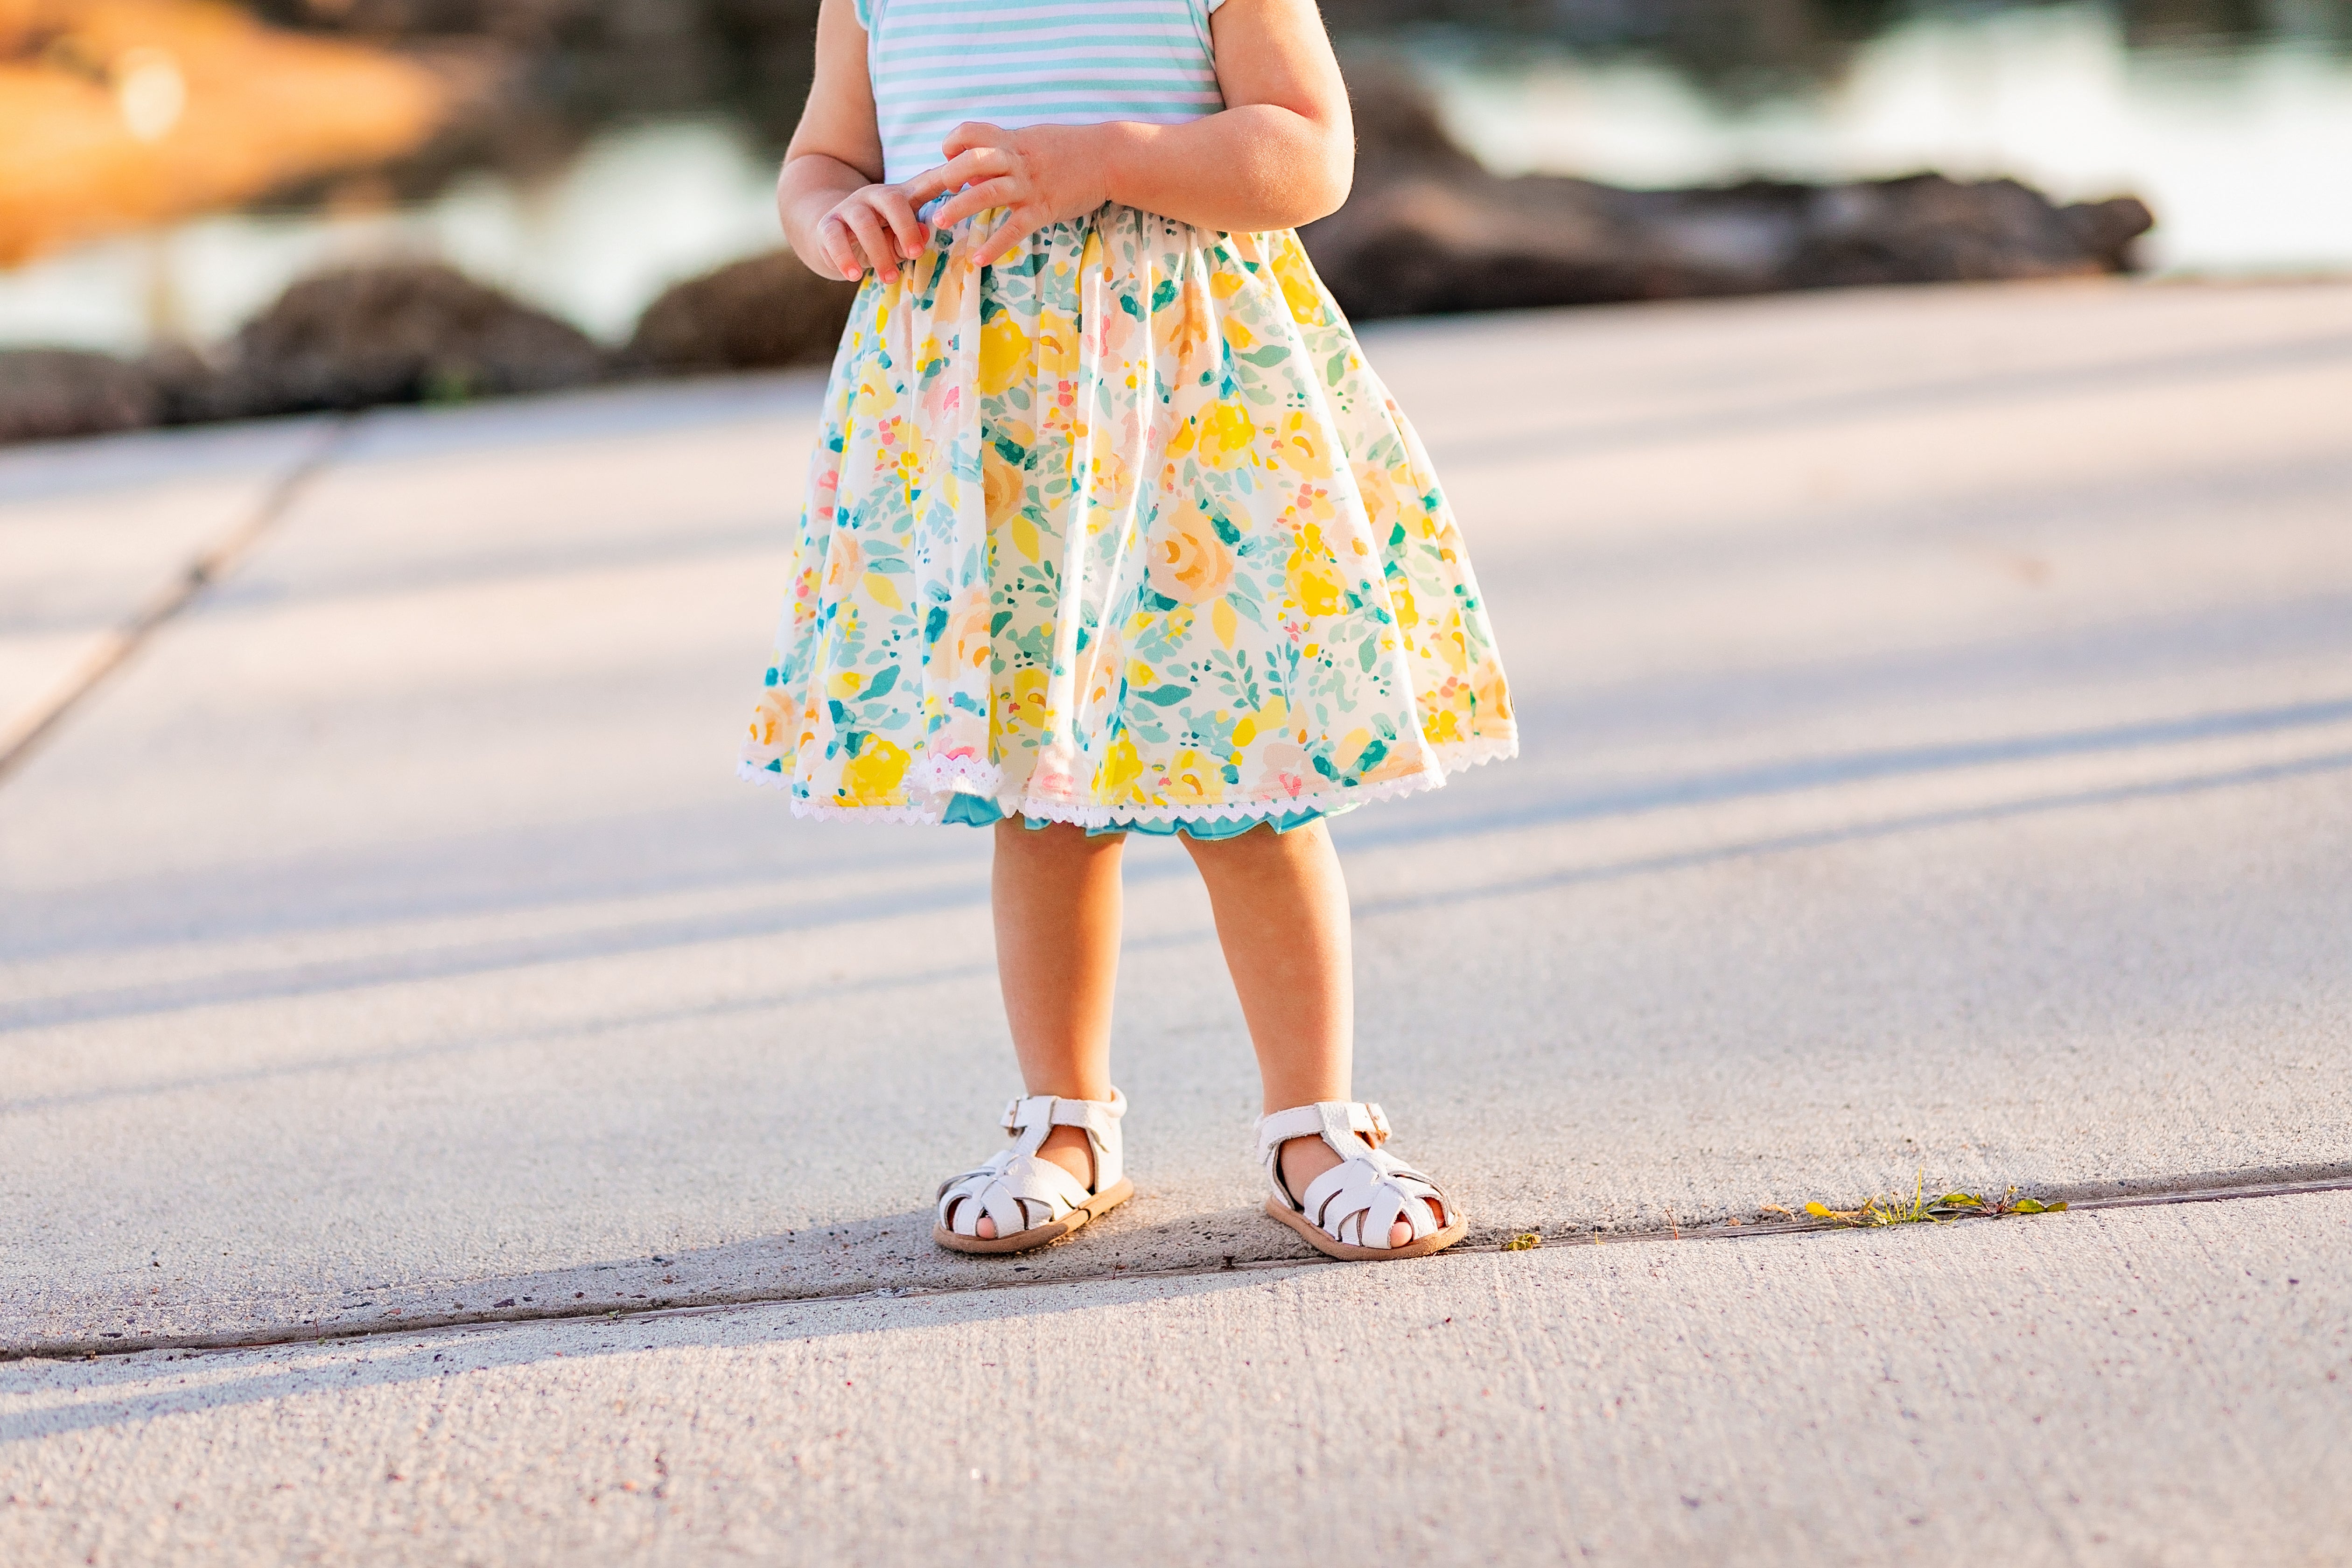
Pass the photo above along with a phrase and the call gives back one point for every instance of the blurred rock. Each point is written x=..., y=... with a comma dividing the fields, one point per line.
x=1430, y=230
x=597, y=62
x=182, y=381
x=749, y=315
x=46, y=393
x=1928, y=229
x=1398, y=133
x=2110, y=229
x=407, y=333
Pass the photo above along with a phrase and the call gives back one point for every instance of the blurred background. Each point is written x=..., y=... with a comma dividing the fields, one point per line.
x=168, y=168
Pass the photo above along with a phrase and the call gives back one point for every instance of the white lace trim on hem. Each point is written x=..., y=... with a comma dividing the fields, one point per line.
x=949, y=775
x=1450, y=759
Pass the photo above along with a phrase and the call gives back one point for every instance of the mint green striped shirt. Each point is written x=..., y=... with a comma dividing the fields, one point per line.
x=938, y=63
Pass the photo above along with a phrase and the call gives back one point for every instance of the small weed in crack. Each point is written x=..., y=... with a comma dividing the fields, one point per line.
x=1921, y=1209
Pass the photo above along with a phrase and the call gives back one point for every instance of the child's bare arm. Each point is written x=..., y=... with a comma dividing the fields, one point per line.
x=1281, y=153
x=837, y=213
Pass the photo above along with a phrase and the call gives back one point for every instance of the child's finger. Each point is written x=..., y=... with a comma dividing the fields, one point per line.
x=942, y=178
x=969, y=134
x=975, y=164
x=840, y=248
x=877, y=244
x=932, y=182
x=1008, y=233
x=1004, y=191
x=900, y=214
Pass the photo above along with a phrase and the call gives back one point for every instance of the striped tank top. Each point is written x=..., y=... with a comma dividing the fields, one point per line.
x=938, y=63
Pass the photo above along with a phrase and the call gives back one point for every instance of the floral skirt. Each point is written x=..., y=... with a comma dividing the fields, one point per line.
x=1119, y=531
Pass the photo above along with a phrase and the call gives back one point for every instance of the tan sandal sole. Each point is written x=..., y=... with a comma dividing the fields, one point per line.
x=1095, y=1207
x=1437, y=1242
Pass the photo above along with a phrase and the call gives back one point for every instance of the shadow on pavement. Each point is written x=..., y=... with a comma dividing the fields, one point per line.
x=2332, y=761
x=970, y=889
x=120, y=1391
x=844, y=1277
x=885, y=1256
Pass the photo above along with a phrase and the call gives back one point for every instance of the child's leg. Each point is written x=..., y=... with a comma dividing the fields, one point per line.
x=1282, y=918
x=1055, y=894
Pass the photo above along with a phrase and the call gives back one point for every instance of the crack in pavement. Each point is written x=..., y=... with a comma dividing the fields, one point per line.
x=212, y=563
x=2078, y=1198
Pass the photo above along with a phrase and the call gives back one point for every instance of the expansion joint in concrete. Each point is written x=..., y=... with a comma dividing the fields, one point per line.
x=2272, y=1182
x=216, y=560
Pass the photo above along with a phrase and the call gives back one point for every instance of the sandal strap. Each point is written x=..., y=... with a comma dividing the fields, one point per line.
x=1357, y=1200
x=1099, y=1116
x=1018, y=1189
x=1018, y=1192
x=1341, y=1123
x=1029, y=1118
x=1361, y=1198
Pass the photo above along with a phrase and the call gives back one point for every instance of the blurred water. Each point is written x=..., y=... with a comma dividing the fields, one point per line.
x=640, y=208
x=2244, y=150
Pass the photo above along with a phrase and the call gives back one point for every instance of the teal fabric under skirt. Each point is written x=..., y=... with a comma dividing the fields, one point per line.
x=979, y=811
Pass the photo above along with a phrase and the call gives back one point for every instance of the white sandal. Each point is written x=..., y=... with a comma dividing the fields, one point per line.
x=1363, y=1195
x=1032, y=1199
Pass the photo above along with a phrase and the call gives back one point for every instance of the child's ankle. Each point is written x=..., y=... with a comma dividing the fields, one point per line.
x=1067, y=1147
x=1302, y=1159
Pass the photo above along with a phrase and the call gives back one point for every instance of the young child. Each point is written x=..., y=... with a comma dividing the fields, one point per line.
x=1111, y=530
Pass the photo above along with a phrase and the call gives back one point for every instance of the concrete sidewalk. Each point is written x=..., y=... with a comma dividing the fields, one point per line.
x=1939, y=707
x=2161, y=1386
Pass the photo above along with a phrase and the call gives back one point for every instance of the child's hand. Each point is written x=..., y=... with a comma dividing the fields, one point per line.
x=1043, y=172
x=873, y=226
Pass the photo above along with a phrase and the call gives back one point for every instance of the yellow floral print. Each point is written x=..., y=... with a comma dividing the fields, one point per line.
x=1004, y=354
x=1119, y=530
x=1314, y=580
x=1227, y=433
x=875, y=776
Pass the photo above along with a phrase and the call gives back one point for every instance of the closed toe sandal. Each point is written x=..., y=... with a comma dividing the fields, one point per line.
x=1348, y=1210
x=1030, y=1199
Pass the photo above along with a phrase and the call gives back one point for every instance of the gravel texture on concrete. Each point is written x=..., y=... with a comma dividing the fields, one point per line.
x=1939, y=743
x=2161, y=1386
